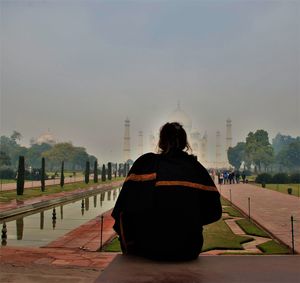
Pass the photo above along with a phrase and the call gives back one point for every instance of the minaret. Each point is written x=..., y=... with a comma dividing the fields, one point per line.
x=152, y=144
x=140, y=143
x=228, y=134
x=204, y=148
x=126, y=148
x=218, y=148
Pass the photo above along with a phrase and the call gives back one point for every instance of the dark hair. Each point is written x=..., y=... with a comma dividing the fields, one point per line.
x=172, y=137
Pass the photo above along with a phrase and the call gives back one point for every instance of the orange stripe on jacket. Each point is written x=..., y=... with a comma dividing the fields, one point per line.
x=141, y=177
x=186, y=184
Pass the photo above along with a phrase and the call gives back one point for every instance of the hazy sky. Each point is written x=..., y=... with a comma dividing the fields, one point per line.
x=80, y=68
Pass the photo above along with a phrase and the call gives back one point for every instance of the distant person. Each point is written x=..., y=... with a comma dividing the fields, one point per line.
x=237, y=176
x=226, y=176
x=165, y=201
x=221, y=178
x=244, y=177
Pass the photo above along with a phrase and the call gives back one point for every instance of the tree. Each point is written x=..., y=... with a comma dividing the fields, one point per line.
x=258, y=149
x=281, y=141
x=4, y=159
x=109, y=171
x=16, y=136
x=103, y=173
x=60, y=151
x=62, y=176
x=95, y=171
x=74, y=157
x=87, y=172
x=34, y=153
x=289, y=156
x=21, y=176
x=43, y=175
x=12, y=149
x=92, y=159
x=293, y=154
x=236, y=155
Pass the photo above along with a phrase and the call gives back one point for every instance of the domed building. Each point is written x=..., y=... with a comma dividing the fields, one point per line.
x=197, y=141
x=47, y=138
x=180, y=116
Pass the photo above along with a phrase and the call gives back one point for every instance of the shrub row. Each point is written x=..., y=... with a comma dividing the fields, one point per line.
x=279, y=178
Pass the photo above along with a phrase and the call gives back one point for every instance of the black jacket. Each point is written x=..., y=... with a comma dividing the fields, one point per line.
x=164, y=202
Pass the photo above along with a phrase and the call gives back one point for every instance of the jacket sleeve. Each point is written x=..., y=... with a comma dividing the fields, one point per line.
x=134, y=193
x=209, y=200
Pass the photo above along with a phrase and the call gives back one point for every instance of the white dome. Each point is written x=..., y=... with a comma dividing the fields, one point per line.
x=46, y=138
x=181, y=117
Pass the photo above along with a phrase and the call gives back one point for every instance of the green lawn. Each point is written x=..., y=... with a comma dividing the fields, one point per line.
x=272, y=247
x=6, y=196
x=7, y=181
x=282, y=188
x=113, y=246
x=217, y=236
x=250, y=228
x=225, y=202
x=251, y=178
x=232, y=211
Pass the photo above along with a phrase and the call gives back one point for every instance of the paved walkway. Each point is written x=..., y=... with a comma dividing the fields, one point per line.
x=271, y=209
x=70, y=258
x=77, y=249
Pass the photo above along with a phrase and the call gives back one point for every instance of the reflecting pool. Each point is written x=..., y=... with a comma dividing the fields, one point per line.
x=44, y=226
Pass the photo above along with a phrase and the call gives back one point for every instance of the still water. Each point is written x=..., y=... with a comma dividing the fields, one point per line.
x=44, y=226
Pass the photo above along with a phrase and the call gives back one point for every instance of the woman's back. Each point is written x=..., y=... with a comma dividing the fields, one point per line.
x=165, y=200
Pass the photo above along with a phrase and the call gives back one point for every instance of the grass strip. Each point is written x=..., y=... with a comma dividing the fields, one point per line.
x=114, y=246
x=8, y=181
x=219, y=236
x=272, y=247
x=6, y=196
x=225, y=202
x=251, y=229
x=232, y=211
x=216, y=236
x=282, y=188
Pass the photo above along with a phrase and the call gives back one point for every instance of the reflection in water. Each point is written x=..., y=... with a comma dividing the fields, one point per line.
x=42, y=220
x=102, y=196
x=61, y=212
x=95, y=201
x=53, y=218
x=87, y=204
x=4, y=235
x=82, y=207
x=20, y=228
x=34, y=229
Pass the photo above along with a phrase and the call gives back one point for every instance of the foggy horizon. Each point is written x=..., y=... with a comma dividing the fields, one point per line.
x=81, y=68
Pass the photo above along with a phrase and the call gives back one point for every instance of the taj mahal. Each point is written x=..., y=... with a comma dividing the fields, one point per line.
x=198, y=141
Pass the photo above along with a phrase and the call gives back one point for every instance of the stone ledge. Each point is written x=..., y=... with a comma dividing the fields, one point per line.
x=216, y=269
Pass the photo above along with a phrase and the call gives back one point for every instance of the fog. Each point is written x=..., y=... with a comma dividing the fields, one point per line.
x=79, y=68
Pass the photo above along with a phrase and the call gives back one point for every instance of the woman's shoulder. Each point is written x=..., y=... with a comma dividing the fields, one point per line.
x=145, y=160
x=147, y=156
